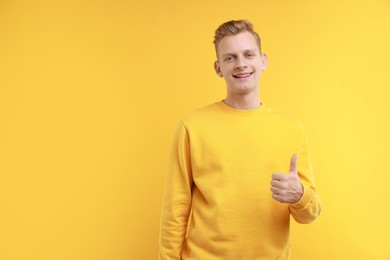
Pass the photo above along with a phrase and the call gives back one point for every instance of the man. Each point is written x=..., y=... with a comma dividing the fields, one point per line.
x=238, y=169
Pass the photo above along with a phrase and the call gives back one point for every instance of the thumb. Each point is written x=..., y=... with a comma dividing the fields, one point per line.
x=293, y=164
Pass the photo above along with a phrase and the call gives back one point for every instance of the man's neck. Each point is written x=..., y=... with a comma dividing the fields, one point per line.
x=243, y=101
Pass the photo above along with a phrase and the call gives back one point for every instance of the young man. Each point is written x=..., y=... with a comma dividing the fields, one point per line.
x=238, y=169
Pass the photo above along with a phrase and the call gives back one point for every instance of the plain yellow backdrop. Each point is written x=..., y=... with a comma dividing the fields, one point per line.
x=90, y=92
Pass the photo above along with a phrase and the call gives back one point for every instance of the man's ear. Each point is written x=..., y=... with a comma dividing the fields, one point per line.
x=264, y=60
x=217, y=68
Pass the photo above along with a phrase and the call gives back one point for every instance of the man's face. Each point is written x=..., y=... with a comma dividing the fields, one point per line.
x=240, y=62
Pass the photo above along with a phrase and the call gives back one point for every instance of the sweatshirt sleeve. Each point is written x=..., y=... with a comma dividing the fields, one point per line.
x=177, y=197
x=308, y=208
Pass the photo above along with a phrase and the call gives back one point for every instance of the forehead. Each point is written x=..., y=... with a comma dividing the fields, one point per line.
x=237, y=43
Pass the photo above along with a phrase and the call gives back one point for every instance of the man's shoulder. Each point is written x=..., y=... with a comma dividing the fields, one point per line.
x=286, y=119
x=200, y=114
x=284, y=116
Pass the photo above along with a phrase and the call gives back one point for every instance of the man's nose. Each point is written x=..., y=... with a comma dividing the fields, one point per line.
x=240, y=64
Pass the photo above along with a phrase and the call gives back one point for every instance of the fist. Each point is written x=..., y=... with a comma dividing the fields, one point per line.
x=287, y=188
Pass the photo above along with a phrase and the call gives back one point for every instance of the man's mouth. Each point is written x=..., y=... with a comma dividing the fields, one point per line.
x=242, y=75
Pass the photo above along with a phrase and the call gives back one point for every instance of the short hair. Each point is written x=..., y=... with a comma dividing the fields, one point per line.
x=234, y=27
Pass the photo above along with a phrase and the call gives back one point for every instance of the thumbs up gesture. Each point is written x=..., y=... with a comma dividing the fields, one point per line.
x=287, y=188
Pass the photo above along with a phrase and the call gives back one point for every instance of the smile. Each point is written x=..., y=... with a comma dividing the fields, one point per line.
x=242, y=75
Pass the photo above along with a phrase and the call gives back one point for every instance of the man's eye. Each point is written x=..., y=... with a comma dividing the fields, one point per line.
x=228, y=58
x=250, y=54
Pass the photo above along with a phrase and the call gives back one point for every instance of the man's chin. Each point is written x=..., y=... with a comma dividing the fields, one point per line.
x=242, y=89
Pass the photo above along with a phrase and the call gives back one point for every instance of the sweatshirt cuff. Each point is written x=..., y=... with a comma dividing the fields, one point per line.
x=305, y=199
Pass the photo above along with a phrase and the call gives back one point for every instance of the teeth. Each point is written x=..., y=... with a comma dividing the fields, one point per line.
x=242, y=75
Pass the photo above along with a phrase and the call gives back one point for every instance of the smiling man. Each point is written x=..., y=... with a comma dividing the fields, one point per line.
x=240, y=62
x=238, y=169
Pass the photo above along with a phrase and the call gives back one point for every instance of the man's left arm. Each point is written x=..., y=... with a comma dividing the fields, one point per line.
x=297, y=188
x=308, y=207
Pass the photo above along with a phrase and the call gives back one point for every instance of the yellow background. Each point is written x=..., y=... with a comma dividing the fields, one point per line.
x=90, y=92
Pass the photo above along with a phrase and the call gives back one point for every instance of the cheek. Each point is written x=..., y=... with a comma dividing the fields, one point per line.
x=224, y=71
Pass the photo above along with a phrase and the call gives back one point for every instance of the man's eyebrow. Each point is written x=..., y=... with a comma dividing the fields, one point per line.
x=234, y=54
x=228, y=54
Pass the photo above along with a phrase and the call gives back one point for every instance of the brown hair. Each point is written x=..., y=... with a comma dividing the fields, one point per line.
x=234, y=27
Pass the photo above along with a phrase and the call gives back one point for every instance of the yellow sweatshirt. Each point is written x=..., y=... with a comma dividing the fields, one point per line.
x=217, y=202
